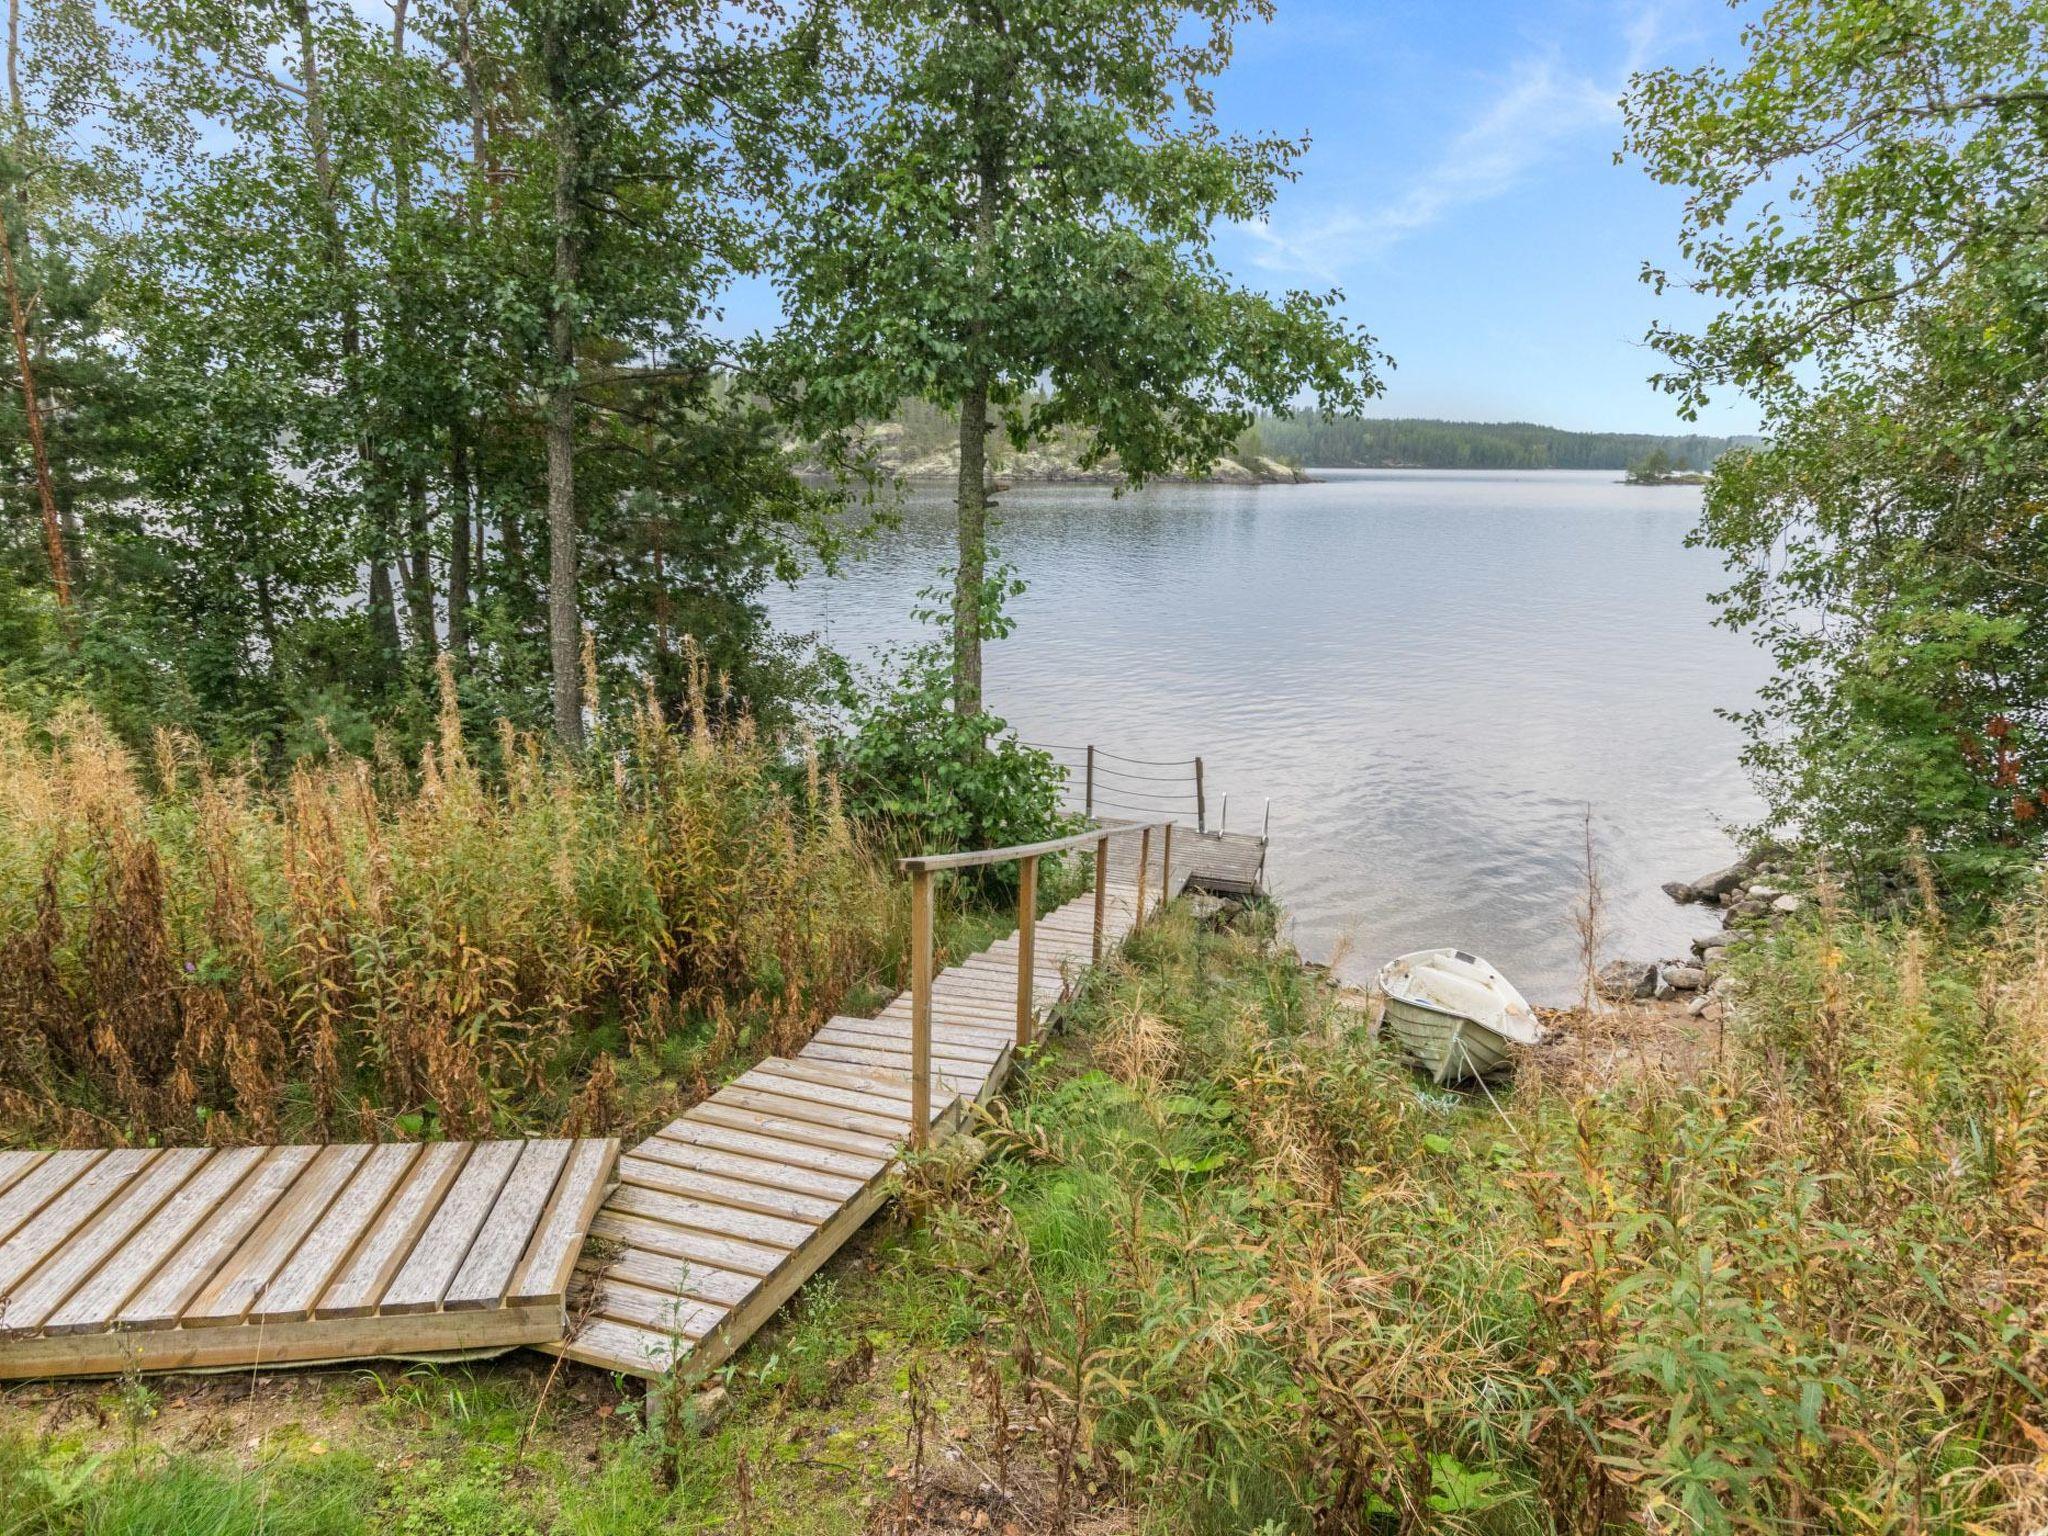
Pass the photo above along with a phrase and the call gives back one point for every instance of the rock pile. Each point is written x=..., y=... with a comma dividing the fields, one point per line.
x=1752, y=894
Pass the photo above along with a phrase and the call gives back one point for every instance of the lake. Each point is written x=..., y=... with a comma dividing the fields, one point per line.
x=1431, y=673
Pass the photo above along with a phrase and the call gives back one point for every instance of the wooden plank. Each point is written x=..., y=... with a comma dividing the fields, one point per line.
x=162, y=1302
x=769, y=1236
x=75, y=1260
x=96, y=1304
x=40, y=1185
x=861, y=1031
x=718, y=1256
x=622, y=1348
x=241, y=1282
x=734, y=1117
x=297, y=1286
x=951, y=1076
x=424, y=1277
x=81, y=1200
x=644, y=1267
x=764, y=1174
x=300, y=1343
x=650, y=1173
x=492, y=1258
x=356, y=1291
x=887, y=1129
x=799, y=1155
x=545, y=1267
x=15, y=1164
x=883, y=1085
x=794, y=1085
x=746, y=1319
x=662, y=1312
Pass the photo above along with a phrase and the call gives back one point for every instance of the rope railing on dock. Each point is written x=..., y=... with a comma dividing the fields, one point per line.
x=1113, y=781
x=922, y=867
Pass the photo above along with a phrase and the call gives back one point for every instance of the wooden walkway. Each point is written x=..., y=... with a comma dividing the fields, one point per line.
x=722, y=1214
x=198, y=1257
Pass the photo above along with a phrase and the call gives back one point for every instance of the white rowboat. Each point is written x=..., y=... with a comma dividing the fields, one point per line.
x=1455, y=1014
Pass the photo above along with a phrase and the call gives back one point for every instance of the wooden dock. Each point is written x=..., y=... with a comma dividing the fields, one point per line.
x=720, y=1215
x=197, y=1257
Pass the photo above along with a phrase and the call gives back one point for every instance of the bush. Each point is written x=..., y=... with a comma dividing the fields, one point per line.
x=944, y=780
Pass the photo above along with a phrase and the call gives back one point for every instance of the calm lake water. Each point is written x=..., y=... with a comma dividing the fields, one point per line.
x=1432, y=674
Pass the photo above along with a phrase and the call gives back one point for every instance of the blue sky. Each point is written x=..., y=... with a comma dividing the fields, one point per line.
x=1461, y=189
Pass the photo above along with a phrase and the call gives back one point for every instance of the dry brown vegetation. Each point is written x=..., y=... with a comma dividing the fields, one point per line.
x=368, y=946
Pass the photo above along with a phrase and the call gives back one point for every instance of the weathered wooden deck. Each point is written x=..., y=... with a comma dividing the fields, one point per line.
x=722, y=1214
x=198, y=1257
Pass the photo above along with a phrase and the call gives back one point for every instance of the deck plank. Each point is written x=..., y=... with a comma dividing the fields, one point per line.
x=550, y=1258
x=425, y=1276
x=170, y=1290
x=297, y=1286
x=82, y=1198
x=356, y=1291
x=98, y=1302
x=487, y=1270
x=241, y=1282
x=74, y=1261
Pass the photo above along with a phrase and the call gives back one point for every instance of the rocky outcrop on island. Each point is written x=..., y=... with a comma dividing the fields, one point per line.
x=889, y=447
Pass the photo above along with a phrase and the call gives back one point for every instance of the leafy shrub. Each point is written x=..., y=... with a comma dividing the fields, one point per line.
x=944, y=780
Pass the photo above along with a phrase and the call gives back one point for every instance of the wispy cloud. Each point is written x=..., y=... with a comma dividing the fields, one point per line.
x=1542, y=104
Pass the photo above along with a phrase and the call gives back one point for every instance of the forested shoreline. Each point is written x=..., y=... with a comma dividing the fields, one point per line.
x=1419, y=443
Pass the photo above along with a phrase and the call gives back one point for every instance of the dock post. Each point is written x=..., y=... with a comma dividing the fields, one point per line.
x=920, y=1007
x=1027, y=925
x=1166, y=864
x=1089, y=806
x=1101, y=892
x=1144, y=858
x=1201, y=802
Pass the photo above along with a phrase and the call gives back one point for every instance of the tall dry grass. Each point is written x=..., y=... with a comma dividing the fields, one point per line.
x=187, y=953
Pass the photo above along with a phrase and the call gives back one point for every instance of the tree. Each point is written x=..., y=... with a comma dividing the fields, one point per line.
x=1016, y=196
x=1867, y=201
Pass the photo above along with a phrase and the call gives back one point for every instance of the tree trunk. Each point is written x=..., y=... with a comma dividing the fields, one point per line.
x=971, y=568
x=458, y=551
x=565, y=625
x=46, y=493
x=31, y=403
x=417, y=566
x=381, y=608
x=383, y=604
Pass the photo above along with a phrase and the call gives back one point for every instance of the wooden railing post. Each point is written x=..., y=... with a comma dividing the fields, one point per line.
x=1166, y=864
x=920, y=1007
x=1201, y=801
x=1101, y=893
x=1144, y=858
x=1027, y=934
x=1090, y=802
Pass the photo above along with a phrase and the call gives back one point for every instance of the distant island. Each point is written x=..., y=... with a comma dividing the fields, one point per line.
x=1659, y=468
x=920, y=442
x=1405, y=443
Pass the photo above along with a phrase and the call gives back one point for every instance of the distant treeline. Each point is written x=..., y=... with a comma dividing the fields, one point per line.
x=1355, y=442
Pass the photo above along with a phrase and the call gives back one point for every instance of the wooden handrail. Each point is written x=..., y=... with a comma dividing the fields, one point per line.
x=920, y=863
x=922, y=867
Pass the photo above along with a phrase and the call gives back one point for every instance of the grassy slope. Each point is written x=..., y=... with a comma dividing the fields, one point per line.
x=1227, y=1265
